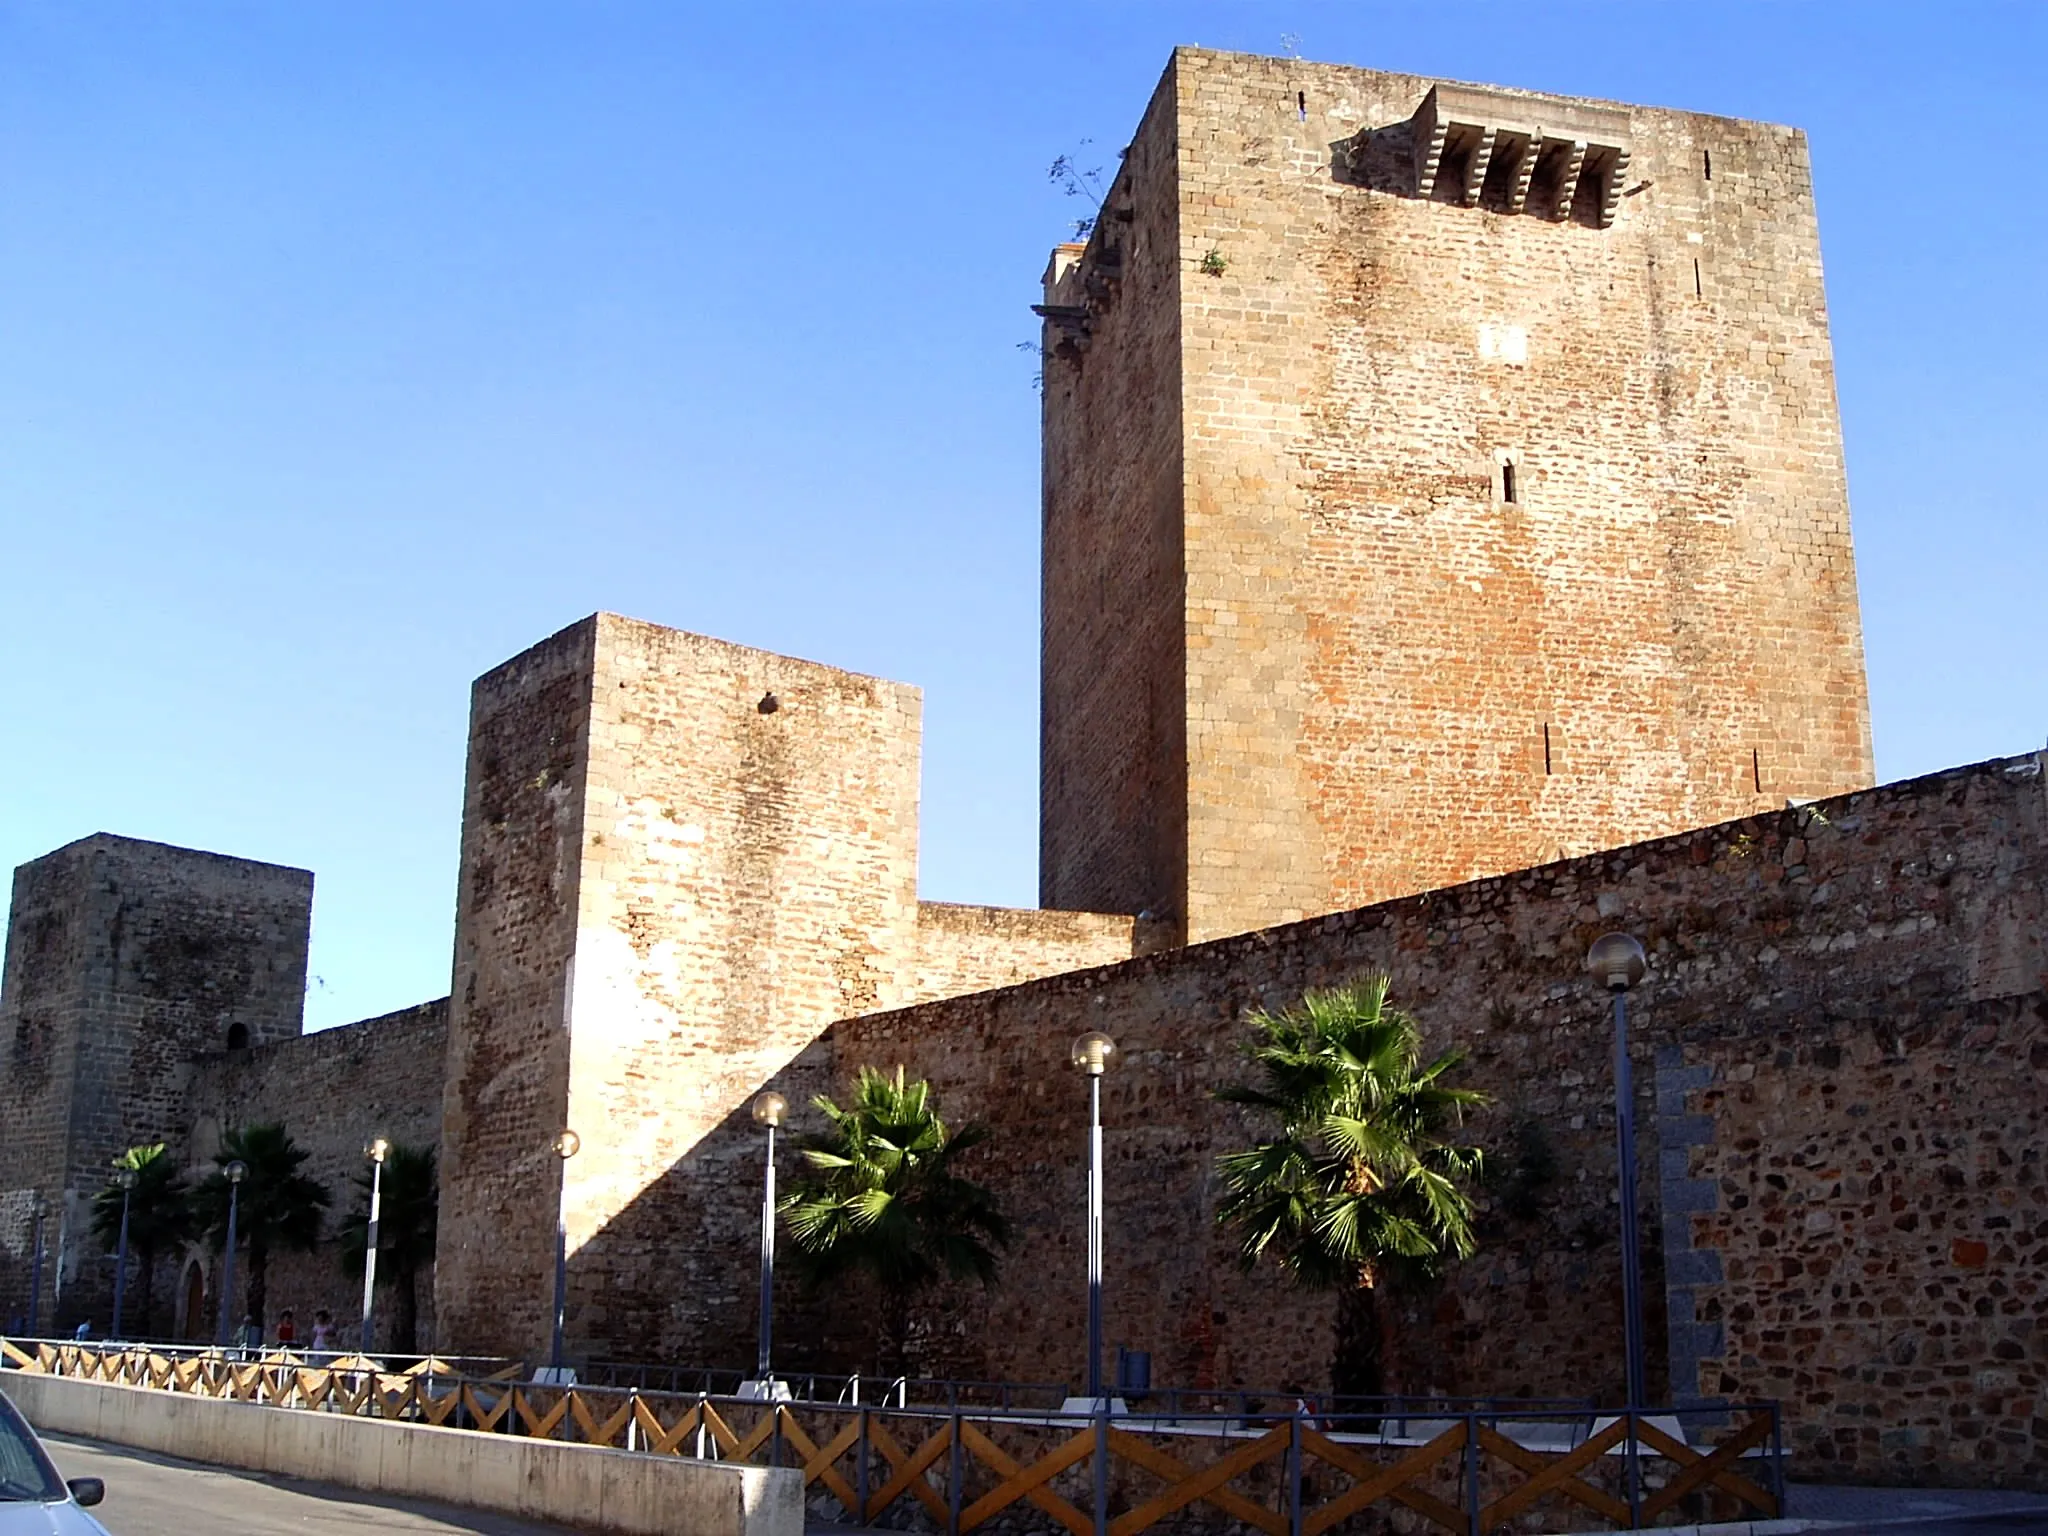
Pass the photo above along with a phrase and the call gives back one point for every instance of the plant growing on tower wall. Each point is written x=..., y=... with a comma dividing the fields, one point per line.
x=879, y=1196
x=1359, y=1185
x=279, y=1207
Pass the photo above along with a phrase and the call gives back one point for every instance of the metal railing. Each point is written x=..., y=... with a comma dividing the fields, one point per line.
x=274, y=1354
x=1291, y=1470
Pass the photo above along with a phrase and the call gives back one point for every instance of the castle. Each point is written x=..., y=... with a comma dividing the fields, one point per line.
x=1446, y=559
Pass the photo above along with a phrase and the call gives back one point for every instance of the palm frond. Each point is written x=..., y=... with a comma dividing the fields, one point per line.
x=1360, y=1175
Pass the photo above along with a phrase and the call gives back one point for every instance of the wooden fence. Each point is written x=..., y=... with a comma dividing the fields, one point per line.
x=1294, y=1473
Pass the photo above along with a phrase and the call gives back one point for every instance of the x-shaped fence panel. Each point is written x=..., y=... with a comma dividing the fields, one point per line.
x=1463, y=1470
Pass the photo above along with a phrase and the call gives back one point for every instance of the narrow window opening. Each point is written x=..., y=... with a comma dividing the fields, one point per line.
x=238, y=1037
x=1698, y=289
x=1301, y=104
x=1707, y=161
x=1546, y=746
x=1507, y=489
x=1756, y=769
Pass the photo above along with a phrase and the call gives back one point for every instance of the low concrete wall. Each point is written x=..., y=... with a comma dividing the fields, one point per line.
x=586, y=1487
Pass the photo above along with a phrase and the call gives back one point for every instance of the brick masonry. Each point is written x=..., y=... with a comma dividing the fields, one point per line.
x=1303, y=650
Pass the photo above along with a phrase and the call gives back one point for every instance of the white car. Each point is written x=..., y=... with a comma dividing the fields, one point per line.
x=33, y=1498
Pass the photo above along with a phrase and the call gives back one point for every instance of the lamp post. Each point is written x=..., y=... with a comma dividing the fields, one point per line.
x=1093, y=1053
x=565, y=1147
x=376, y=1151
x=1617, y=962
x=126, y=1178
x=770, y=1110
x=35, y=1269
x=236, y=1171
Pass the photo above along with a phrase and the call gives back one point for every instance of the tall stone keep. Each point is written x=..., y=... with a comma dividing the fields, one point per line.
x=125, y=960
x=1438, y=480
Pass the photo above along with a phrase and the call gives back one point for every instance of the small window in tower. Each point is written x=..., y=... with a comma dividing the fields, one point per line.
x=1546, y=746
x=238, y=1037
x=1507, y=480
x=1698, y=289
x=1756, y=769
x=1707, y=163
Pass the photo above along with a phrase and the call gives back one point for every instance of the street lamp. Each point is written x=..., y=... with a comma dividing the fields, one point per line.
x=1093, y=1053
x=566, y=1146
x=770, y=1110
x=376, y=1151
x=126, y=1178
x=235, y=1171
x=35, y=1270
x=1617, y=962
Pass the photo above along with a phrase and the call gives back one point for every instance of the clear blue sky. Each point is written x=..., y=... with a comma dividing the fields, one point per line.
x=347, y=348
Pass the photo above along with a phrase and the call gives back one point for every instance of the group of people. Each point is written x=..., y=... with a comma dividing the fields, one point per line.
x=321, y=1344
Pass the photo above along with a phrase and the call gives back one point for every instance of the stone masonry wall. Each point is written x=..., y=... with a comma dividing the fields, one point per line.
x=334, y=1090
x=1398, y=673
x=749, y=874
x=125, y=959
x=1113, y=729
x=1860, y=1207
x=1902, y=926
x=971, y=949
x=730, y=867
x=506, y=1091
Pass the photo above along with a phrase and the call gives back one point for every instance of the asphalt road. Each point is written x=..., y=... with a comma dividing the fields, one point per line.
x=151, y=1495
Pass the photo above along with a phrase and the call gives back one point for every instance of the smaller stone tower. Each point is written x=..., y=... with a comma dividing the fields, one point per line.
x=682, y=861
x=125, y=959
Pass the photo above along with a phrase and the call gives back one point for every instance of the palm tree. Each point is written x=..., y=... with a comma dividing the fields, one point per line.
x=407, y=1220
x=878, y=1196
x=159, y=1216
x=279, y=1207
x=1358, y=1187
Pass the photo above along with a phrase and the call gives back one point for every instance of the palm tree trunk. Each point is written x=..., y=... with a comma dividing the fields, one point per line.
x=405, y=1312
x=145, y=1260
x=896, y=1332
x=259, y=1281
x=1359, y=1369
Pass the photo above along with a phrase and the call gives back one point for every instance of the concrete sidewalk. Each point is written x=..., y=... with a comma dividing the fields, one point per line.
x=153, y=1495
x=1903, y=1511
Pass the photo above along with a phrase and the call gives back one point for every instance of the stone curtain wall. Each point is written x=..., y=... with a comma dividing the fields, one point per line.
x=1864, y=1217
x=1908, y=918
x=125, y=959
x=1658, y=631
x=334, y=1090
x=971, y=949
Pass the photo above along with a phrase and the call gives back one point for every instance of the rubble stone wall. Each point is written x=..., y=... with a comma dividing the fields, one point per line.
x=1862, y=952
x=334, y=1091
